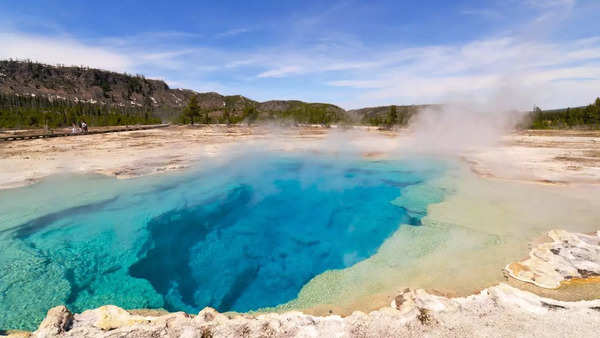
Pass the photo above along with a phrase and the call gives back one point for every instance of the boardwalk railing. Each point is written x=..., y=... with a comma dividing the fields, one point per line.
x=91, y=132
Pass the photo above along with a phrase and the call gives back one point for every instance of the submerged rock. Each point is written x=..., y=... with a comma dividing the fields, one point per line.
x=569, y=256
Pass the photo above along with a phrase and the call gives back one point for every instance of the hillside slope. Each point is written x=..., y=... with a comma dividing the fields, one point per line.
x=380, y=115
x=38, y=95
x=28, y=88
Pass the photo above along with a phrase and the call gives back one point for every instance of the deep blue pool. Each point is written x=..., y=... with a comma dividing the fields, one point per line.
x=240, y=236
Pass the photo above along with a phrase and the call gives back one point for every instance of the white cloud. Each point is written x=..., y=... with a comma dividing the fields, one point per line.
x=550, y=3
x=552, y=74
x=61, y=51
x=438, y=73
x=233, y=32
x=485, y=13
x=282, y=71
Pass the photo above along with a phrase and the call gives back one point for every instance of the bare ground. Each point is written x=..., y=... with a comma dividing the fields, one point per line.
x=547, y=156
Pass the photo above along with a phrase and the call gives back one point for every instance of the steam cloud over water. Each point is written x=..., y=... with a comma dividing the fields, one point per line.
x=456, y=127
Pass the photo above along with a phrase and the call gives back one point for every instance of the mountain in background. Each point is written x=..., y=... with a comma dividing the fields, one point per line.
x=36, y=95
x=79, y=92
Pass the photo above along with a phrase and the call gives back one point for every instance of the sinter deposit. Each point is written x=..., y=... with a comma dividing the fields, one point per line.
x=569, y=256
x=497, y=309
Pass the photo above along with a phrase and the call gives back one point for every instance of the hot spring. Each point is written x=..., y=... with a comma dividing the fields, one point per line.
x=243, y=235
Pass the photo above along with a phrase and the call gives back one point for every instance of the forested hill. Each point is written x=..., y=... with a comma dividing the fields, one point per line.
x=37, y=95
x=577, y=117
x=118, y=92
x=34, y=95
x=386, y=115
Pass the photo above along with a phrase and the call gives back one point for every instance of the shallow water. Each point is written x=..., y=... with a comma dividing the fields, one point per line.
x=242, y=236
x=462, y=244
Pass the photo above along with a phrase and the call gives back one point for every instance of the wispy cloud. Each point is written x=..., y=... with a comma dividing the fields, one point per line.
x=61, y=50
x=360, y=71
x=150, y=38
x=233, y=32
x=551, y=73
x=282, y=71
x=485, y=13
x=378, y=76
x=551, y=11
x=550, y=3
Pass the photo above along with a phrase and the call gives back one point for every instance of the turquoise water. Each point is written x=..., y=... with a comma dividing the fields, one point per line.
x=240, y=236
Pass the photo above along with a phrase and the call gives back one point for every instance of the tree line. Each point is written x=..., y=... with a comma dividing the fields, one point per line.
x=21, y=111
x=299, y=113
x=192, y=113
x=394, y=116
x=18, y=111
x=586, y=117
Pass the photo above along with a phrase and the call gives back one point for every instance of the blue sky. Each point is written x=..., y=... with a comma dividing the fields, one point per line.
x=348, y=52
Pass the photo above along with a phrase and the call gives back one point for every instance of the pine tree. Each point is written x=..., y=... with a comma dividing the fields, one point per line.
x=392, y=117
x=193, y=109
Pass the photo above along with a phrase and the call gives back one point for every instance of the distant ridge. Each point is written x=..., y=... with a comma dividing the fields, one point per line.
x=101, y=87
x=39, y=95
x=125, y=92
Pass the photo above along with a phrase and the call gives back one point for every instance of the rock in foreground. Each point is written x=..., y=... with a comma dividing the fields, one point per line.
x=495, y=311
x=567, y=257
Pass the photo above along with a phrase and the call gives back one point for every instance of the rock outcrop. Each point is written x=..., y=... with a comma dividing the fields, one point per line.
x=568, y=257
x=494, y=311
x=58, y=320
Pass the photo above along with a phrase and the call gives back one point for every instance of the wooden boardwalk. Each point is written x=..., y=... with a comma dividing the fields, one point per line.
x=91, y=132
